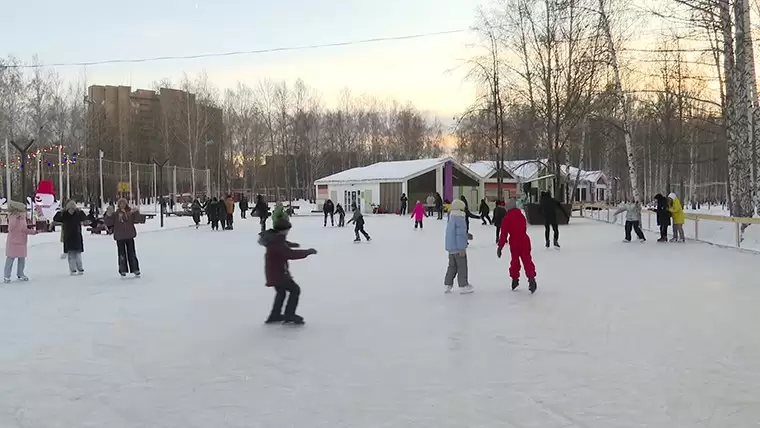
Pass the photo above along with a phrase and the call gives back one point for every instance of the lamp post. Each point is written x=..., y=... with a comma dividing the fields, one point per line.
x=160, y=166
x=22, y=149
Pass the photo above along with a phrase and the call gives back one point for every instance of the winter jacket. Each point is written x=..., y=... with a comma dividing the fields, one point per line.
x=243, y=204
x=484, y=209
x=261, y=209
x=72, y=230
x=212, y=210
x=357, y=218
x=430, y=201
x=498, y=215
x=339, y=210
x=456, y=229
x=123, y=223
x=278, y=213
x=418, y=212
x=632, y=211
x=663, y=213
x=328, y=207
x=229, y=205
x=676, y=210
x=514, y=228
x=195, y=208
x=438, y=202
x=549, y=207
x=279, y=251
x=404, y=200
x=18, y=236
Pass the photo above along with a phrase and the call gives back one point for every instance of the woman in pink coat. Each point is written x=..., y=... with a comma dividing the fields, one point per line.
x=418, y=213
x=15, y=243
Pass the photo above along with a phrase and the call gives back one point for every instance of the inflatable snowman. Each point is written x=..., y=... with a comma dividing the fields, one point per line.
x=45, y=205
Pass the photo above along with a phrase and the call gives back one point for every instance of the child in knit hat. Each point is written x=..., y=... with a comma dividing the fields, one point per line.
x=456, y=246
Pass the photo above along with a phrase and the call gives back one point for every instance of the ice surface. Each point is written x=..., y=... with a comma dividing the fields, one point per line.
x=618, y=335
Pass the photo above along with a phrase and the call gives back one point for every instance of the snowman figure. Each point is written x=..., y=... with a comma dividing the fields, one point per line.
x=45, y=205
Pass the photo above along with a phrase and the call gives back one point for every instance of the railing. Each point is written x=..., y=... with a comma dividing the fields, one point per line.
x=734, y=232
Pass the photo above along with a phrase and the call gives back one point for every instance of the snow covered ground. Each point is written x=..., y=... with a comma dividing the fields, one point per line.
x=616, y=336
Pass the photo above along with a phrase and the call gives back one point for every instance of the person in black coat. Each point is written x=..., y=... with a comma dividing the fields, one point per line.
x=439, y=205
x=467, y=214
x=549, y=207
x=73, y=244
x=404, y=204
x=341, y=215
x=243, y=204
x=663, y=216
x=212, y=212
x=329, y=209
x=195, y=210
x=484, y=210
x=498, y=216
x=261, y=210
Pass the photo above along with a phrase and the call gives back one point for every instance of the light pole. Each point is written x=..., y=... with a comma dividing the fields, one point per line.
x=22, y=149
x=160, y=166
x=87, y=123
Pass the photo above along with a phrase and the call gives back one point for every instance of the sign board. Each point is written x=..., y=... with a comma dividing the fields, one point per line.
x=123, y=187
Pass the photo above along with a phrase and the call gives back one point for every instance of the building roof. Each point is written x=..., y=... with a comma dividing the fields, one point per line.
x=590, y=176
x=520, y=169
x=391, y=171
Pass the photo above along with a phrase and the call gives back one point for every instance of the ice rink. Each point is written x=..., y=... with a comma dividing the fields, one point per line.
x=618, y=335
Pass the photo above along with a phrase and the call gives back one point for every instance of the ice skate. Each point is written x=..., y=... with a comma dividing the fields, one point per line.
x=294, y=320
x=447, y=288
x=80, y=272
x=642, y=240
x=6, y=280
x=674, y=240
x=467, y=289
x=74, y=273
x=532, y=285
x=274, y=319
x=626, y=241
x=662, y=240
x=137, y=274
x=556, y=244
x=547, y=244
x=357, y=240
x=515, y=283
x=23, y=278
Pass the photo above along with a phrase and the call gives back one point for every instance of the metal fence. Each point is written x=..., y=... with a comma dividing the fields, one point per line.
x=86, y=179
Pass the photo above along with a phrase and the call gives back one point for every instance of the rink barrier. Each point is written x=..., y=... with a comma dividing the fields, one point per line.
x=605, y=213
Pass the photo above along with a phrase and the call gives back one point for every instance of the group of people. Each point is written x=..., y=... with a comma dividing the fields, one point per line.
x=121, y=220
x=433, y=204
x=329, y=208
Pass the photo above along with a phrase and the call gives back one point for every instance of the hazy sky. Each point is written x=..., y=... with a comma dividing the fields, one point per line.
x=427, y=72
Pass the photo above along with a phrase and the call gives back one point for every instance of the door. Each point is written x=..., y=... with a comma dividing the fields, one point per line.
x=367, y=197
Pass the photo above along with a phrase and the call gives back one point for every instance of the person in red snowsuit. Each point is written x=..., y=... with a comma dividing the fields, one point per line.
x=514, y=228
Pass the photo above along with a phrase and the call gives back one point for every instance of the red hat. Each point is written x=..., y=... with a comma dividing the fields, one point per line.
x=45, y=188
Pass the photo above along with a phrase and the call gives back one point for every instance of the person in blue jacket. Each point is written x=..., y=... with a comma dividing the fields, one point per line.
x=456, y=246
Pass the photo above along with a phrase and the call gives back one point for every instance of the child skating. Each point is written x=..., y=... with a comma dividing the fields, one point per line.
x=73, y=245
x=418, y=213
x=16, y=242
x=278, y=251
x=358, y=220
x=341, y=215
x=456, y=246
x=514, y=229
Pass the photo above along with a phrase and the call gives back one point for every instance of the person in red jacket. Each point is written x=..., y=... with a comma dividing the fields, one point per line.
x=514, y=229
x=279, y=251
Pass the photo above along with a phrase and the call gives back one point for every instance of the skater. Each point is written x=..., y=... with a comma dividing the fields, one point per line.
x=109, y=211
x=484, y=211
x=329, y=209
x=514, y=230
x=418, y=213
x=358, y=220
x=278, y=213
x=278, y=251
x=467, y=214
x=498, y=216
x=430, y=205
x=229, y=205
x=261, y=210
x=124, y=234
x=404, y=202
x=663, y=216
x=73, y=245
x=632, y=220
x=196, y=209
x=212, y=212
x=439, y=205
x=243, y=205
x=456, y=246
x=676, y=211
x=341, y=215
x=16, y=241
x=549, y=207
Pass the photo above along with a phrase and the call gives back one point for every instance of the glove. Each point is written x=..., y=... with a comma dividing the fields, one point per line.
x=498, y=252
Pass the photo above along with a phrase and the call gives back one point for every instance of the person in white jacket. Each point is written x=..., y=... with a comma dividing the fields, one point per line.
x=632, y=220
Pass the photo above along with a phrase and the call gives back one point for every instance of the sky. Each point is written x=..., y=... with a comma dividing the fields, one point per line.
x=428, y=72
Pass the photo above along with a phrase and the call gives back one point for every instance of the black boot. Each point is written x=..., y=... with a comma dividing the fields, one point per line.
x=294, y=319
x=515, y=283
x=547, y=244
x=556, y=243
x=274, y=318
x=532, y=285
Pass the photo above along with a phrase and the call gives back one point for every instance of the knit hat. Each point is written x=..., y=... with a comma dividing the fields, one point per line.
x=16, y=207
x=457, y=205
x=282, y=224
x=672, y=195
x=71, y=204
x=511, y=204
